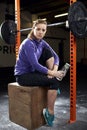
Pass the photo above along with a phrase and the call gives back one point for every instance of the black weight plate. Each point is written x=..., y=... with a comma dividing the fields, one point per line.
x=7, y=31
x=78, y=28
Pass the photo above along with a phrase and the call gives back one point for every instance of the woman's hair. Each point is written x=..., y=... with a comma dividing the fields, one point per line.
x=38, y=21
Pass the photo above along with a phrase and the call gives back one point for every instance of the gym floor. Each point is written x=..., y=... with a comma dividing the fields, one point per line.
x=62, y=104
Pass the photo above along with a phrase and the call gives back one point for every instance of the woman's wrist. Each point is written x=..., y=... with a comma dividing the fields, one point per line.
x=55, y=67
x=50, y=72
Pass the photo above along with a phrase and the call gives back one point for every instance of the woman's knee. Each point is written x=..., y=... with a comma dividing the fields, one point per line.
x=50, y=63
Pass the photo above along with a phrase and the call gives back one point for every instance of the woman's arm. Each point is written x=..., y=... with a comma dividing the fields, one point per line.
x=57, y=74
x=31, y=58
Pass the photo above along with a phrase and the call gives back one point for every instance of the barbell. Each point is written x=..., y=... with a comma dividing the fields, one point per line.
x=77, y=21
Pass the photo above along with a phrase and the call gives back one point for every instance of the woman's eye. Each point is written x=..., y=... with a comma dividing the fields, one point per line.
x=38, y=29
x=43, y=30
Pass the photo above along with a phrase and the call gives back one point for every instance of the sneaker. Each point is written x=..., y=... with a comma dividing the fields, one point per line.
x=48, y=117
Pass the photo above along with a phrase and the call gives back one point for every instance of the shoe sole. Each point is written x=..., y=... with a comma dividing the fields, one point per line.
x=44, y=110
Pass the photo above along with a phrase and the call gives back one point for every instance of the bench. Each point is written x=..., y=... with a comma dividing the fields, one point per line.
x=26, y=105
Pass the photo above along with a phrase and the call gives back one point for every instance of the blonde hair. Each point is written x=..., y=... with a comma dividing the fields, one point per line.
x=38, y=21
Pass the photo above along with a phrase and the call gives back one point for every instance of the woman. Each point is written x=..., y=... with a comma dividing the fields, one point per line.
x=37, y=65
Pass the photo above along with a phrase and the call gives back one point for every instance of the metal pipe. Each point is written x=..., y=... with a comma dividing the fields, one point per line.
x=49, y=25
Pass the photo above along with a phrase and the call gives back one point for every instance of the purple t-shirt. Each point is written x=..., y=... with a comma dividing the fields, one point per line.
x=29, y=54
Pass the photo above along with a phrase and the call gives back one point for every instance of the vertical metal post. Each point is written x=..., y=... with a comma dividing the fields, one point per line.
x=17, y=21
x=72, y=75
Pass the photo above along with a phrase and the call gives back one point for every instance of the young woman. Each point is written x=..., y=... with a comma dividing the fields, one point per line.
x=37, y=65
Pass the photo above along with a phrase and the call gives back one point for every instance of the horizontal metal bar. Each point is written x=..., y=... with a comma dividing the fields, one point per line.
x=49, y=25
x=26, y=29
x=82, y=19
x=56, y=24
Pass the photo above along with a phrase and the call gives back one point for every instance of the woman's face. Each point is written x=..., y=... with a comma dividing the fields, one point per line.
x=39, y=31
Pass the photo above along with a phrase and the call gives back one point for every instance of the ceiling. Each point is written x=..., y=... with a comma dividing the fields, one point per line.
x=45, y=8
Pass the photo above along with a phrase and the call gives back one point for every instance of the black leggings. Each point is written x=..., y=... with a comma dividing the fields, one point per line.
x=37, y=78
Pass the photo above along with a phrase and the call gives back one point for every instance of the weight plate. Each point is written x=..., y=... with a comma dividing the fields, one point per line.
x=7, y=31
x=78, y=28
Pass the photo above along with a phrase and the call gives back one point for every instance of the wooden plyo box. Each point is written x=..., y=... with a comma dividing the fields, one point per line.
x=26, y=105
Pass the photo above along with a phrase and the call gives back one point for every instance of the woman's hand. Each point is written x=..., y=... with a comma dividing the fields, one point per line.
x=49, y=76
x=56, y=73
x=55, y=68
x=59, y=74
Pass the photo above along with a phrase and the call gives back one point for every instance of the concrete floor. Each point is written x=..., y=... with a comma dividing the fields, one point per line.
x=62, y=104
